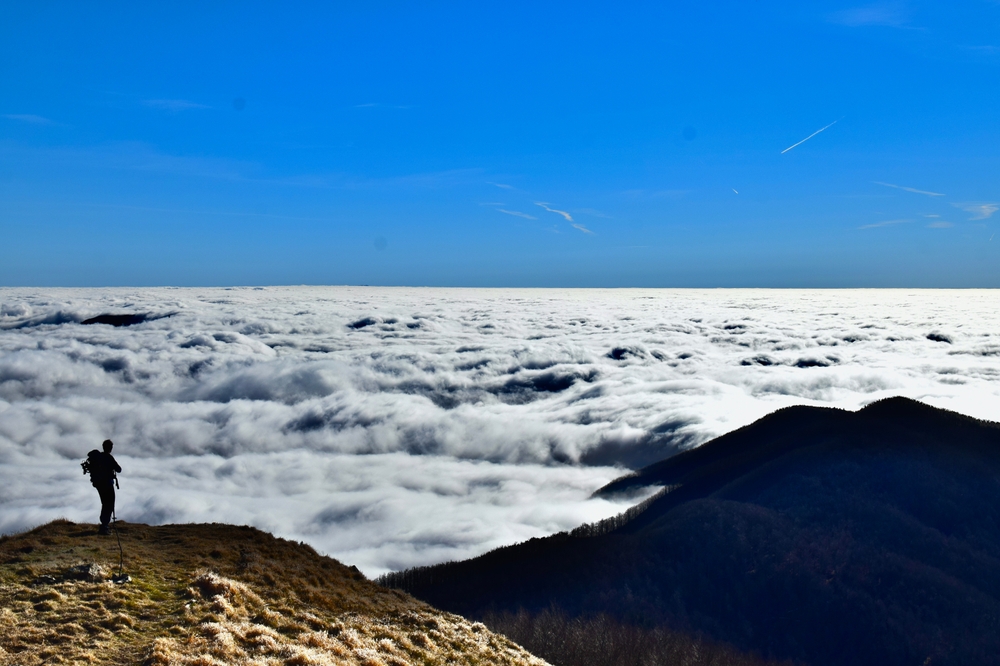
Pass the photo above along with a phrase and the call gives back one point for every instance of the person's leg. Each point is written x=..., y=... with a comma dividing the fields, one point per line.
x=107, y=492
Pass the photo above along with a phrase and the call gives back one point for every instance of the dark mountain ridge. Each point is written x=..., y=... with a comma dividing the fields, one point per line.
x=814, y=534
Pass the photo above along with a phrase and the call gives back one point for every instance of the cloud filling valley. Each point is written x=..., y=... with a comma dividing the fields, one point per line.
x=394, y=427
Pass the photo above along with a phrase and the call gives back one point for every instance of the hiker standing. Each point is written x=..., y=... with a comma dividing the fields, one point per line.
x=103, y=469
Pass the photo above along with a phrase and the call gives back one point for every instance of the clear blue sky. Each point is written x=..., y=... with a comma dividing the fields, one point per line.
x=502, y=144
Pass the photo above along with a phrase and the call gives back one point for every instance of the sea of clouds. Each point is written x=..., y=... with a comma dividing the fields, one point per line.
x=398, y=427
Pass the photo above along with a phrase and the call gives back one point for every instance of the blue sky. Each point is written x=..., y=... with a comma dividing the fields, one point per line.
x=505, y=144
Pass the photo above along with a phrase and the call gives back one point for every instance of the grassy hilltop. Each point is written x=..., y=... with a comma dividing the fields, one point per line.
x=202, y=595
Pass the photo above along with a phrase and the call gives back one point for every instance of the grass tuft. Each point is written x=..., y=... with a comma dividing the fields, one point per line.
x=207, y=595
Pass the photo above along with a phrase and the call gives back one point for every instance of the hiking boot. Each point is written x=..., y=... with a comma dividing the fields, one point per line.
x=104, y=529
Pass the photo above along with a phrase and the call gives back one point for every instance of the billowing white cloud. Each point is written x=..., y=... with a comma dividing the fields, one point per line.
x=397, y=427
x=980, y=211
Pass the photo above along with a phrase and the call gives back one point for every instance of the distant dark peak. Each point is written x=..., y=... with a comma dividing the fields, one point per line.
x=118, y=320
x=900, y=407
x=894, y=402
x=114, y=364
x=384, y=323
x=473, y=365
x=549, y=382
x=528, y=387
x=532, y=365
x=804, y=362
x=796, y=411
x=790, y=428
x=762, y=359
x=54, y=318
x=939, y=337
x=622, y=353
x=361, y=323
x=816, y=362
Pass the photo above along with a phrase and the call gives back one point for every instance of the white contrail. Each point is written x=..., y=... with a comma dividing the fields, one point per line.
x=908, y=189
x=734, y=190
x=545, y=205
x=517, y=213
x=811, y=135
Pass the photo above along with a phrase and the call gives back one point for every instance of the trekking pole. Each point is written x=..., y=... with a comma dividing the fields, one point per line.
x=121, y=577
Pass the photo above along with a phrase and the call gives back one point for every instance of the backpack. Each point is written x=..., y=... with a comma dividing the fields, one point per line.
x=98, y=468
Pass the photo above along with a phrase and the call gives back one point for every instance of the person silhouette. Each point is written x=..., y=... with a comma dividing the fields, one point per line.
x=103, y=470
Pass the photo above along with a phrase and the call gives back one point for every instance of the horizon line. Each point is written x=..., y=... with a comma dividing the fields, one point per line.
x=494, y=287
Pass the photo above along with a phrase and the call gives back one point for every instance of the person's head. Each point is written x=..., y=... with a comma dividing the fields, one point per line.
x=108, y=445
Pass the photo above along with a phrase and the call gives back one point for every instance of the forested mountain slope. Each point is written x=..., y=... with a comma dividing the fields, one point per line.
x=818, y=535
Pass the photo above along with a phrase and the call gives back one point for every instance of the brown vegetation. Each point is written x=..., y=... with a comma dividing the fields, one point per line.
x=203, y=595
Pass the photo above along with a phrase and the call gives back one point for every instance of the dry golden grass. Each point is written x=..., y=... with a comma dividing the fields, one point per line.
x=204, y=595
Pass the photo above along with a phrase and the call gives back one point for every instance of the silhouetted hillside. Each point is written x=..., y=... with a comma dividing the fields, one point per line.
x=602, y=640
x=818, y=535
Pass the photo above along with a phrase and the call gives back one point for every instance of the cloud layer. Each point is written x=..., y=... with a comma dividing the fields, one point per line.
x=396, y=427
